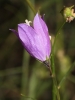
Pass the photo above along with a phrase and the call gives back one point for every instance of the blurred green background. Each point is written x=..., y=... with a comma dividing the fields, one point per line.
x=22, y=77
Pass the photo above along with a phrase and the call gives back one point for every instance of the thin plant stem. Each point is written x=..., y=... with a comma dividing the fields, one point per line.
x=55, y=86
x=25, y=72
x=57, y=33
x=65, y=76
x=47, y=63
x=71, y=78
x=28, y=97
x=31, y=6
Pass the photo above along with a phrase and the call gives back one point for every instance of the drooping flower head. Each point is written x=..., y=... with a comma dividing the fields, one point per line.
x=35, y=39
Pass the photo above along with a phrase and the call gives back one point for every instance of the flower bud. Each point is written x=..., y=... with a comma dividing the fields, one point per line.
x=68, y=13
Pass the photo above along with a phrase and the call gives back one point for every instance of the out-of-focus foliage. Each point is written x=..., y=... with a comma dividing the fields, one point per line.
x=21, y=76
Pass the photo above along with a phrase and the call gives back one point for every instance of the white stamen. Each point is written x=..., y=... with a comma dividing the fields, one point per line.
x=50, y=37
x=28, y=22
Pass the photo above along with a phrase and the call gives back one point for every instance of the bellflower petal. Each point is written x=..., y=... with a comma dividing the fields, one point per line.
x=41, y=28
x=14, y=31
x=35, y=40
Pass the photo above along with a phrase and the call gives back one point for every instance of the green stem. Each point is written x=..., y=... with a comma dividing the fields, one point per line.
x=55, y=86
x=28, y=97
x=25, y=74
x=68, y=72
x=31, y=6
x=57, y=33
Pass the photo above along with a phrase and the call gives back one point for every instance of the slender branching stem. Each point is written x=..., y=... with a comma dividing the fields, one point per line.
x=31, y=6
x=65, y=76
x=55, y=85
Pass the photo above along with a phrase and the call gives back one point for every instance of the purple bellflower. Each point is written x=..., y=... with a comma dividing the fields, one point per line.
x=35, y=39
